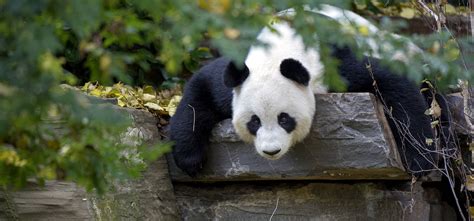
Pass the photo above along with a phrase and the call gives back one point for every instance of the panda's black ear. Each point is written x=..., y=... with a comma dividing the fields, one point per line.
x=294, y=70
x=235, y=76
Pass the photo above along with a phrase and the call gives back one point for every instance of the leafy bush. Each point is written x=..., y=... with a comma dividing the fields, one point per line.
x=47, y=42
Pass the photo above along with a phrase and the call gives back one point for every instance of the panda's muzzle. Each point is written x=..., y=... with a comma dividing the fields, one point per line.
x=273, y=152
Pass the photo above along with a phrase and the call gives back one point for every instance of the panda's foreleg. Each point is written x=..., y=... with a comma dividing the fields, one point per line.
x=404, y=107
x=191, y=126
x=405, y=111
x=206, y=101
x=190, y=133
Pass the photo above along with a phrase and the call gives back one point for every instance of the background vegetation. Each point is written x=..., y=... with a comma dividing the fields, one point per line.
x=44, y=43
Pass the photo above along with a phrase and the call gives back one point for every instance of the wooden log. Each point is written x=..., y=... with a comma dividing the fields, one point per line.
x=350, y=140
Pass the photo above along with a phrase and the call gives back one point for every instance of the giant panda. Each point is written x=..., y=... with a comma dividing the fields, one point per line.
x=270, y=99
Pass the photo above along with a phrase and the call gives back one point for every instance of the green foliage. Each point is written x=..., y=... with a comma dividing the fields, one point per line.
x=47, y=132
x=47, y=42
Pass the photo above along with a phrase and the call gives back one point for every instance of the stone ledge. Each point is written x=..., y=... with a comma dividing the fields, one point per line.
x=350, y=140
x=311, y=201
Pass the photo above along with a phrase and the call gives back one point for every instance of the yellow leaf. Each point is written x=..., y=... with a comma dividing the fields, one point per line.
x=429, y=141
x=118, y=85
x=452, y=51
x=105, y=62
x=173, y=104
x=121, y=101
x=48, y=173
x=377, y=3
x=148, y=90
x=153, y=106
x=113, y=93
x=360, y=4
x=107, y=90
x=434, y=123
x=148, y=97
x=215, y=6
x=436, y=109
x=91, y=86
x=407, y=13
x=435, y=47
x=450, y=9
x=363, y=30
x=231, y=33
x=96, y=92
x=172, y=66
x=86, y=86
x=10, y=157
x=134, y=102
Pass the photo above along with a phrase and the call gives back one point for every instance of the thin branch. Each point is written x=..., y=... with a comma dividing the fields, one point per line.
x=432, y=13
x=274, y=211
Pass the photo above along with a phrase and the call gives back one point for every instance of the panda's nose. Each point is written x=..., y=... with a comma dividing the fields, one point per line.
x=272, y=152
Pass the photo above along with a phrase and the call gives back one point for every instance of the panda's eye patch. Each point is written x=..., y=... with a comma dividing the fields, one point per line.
x=286, y=122
x=253, y=125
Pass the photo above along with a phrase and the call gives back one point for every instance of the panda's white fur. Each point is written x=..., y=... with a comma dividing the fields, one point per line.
x=258, y=94
x=265, y=86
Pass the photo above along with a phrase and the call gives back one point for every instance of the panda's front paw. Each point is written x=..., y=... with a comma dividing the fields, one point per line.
x=189, y=163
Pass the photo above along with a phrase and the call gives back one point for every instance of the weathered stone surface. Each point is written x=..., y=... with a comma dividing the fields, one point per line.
x=310, y=201
x=461, y=106
x=55, y=201
x=463, y=122
x=148, y=198
x=350, y=139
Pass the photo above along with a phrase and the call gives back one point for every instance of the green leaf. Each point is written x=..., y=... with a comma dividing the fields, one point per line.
x=407, y=13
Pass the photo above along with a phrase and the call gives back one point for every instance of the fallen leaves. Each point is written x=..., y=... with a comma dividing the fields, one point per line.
x=407, y=13
x=159, y=103
x=10, y=157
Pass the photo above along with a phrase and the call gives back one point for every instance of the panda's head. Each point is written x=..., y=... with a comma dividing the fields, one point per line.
x=273, y=101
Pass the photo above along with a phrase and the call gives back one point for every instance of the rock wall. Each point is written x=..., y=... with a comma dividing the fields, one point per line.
x=148, y=198
x=348, y=169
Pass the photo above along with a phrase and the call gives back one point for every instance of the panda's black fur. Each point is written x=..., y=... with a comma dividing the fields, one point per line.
x=207, y=100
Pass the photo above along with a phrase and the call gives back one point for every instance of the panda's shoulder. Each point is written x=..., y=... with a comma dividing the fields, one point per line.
x=210, y=73
x=215, y=65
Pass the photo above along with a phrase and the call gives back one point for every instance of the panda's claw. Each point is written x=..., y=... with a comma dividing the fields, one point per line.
x=190, y=165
